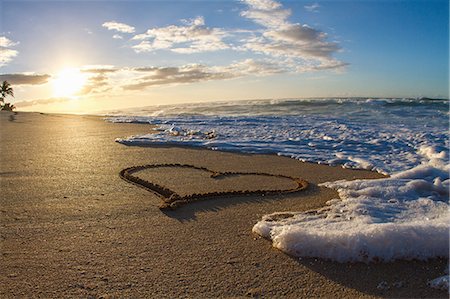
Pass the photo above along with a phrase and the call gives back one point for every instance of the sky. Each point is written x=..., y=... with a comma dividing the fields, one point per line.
x=93, y=56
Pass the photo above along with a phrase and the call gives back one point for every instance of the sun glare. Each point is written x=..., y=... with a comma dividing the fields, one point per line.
x=68, y=83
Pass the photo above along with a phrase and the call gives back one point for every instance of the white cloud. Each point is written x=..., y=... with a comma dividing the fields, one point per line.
x=144, y=46
x=117, y=36
x=281, y=38
x=6, y=42
x=7, y=54
x=198, y=21
x=253, y=67
x=329, y=64
x=313, y=7
x=120, y=27
x=267, y=5
x=282, y=46
x=194, y=37
x=266, y=13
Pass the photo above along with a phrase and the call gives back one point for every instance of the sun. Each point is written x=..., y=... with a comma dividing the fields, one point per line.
x=68, y=83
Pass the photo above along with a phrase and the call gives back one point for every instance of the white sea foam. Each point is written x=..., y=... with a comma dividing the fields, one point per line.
x=383, y=147
x=405, y=216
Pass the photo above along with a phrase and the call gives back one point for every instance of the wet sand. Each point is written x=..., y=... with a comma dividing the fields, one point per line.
x=70, y=227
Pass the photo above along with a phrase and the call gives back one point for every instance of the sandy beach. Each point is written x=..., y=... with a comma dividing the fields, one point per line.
x=71, y=227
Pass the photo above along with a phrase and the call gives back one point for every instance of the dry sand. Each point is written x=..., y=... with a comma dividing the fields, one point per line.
x=70, y=227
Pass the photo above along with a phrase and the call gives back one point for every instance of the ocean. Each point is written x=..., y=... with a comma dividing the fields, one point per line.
x=404, y=216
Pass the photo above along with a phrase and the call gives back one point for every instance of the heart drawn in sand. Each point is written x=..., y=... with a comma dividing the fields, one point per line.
x=172, y=199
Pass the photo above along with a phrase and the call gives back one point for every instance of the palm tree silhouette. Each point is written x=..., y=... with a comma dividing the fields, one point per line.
x=5, y=90
x=8, y=107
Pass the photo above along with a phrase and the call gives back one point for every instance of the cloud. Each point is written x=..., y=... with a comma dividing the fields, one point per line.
x=7, y=54
x=175, y=75
x=7, y=43
x=294, y=40
x=99, y=69
x=267, y=13
x=254, y=67
x=191, y=73
x=25, y=79
x=264, y=5
x=193, y=37
x=145, y=46
x=304, y=45
x=105, y=80
x=311, y=66
x=96, y=84
x=313, y=7
x=22, y=104
x=120, y=27
x=117, y=36
x=98, y=78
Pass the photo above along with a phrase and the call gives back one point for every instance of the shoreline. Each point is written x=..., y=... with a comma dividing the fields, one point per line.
x=270, y=154
x=68, y=217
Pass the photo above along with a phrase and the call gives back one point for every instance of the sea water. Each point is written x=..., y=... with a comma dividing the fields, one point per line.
x=404, y=216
